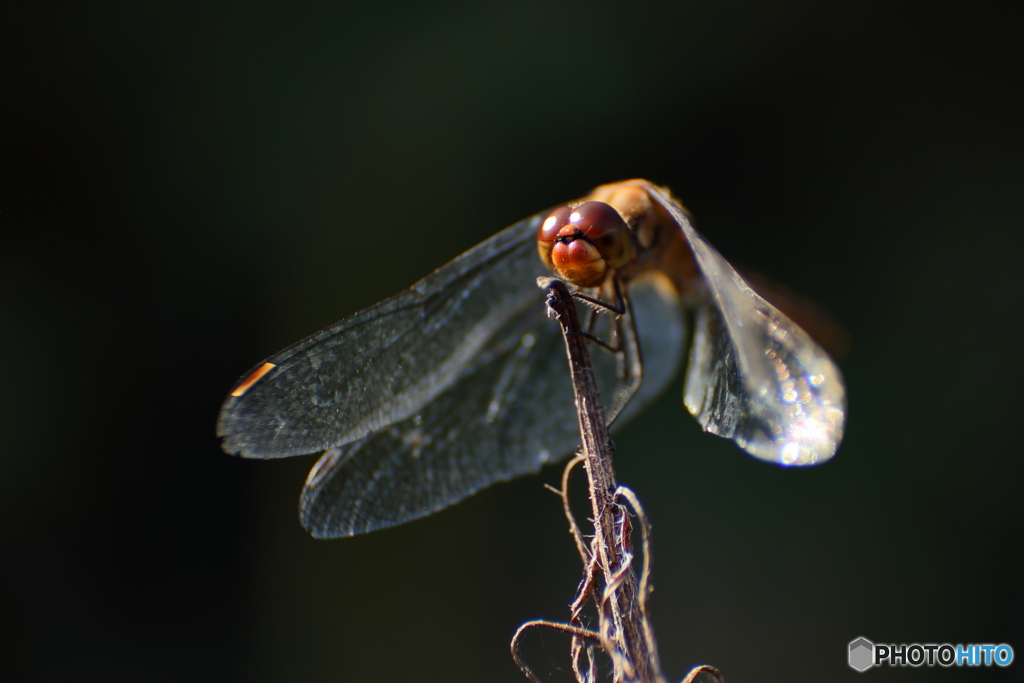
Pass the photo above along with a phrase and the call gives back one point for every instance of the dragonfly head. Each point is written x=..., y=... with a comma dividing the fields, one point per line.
x=582, y=244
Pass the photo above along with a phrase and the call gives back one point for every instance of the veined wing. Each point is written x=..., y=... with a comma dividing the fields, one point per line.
x=753, y=375
x=379, y=366
x=429, y=396
x=510, y=412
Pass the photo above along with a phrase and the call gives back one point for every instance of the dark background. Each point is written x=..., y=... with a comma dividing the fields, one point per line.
x=188, y=188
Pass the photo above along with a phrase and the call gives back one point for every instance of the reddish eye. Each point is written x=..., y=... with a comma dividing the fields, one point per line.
x=553, y=223
x=596, y=219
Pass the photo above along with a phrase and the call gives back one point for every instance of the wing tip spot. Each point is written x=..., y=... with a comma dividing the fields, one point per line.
x=256, y=375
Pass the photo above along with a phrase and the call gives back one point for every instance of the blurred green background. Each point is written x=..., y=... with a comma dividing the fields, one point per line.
x=189, y=187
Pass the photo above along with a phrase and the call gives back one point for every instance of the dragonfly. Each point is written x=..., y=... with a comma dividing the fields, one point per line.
x=460, y=381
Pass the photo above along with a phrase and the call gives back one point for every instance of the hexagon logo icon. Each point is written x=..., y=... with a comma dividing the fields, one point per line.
x=862, y=654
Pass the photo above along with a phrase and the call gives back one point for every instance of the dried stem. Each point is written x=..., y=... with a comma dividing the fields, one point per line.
x=632, y=651
x=609, y=581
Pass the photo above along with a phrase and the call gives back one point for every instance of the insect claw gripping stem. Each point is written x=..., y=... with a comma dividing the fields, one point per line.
x=628, y=356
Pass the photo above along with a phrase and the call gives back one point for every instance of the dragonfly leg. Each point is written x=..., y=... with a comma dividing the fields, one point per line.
x=625, y=343
x=618, y=309
x=628, y=357
x=591, y=320
x=596, y=305
x=610, y=347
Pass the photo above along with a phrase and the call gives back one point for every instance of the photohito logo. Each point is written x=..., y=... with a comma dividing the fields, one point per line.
x=864, y=654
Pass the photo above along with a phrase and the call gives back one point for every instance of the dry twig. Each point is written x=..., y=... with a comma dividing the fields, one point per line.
x=610, y=582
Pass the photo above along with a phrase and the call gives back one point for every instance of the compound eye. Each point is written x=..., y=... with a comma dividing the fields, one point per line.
x=596, y=219
x=603, y=226
x=548, y=233
x=554, y=222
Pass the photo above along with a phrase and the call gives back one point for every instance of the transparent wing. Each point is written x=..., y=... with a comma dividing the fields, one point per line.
x=377, y=367
x=510, y=412
x=754, y=376
x=429, y=396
